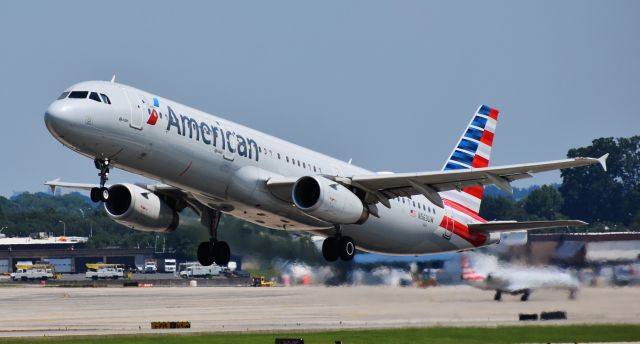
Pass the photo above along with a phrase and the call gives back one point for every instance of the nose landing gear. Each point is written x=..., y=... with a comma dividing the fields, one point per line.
x=101, y=194
x=213, y=251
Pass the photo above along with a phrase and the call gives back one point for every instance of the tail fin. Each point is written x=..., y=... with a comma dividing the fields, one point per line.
x=468, y=274
x=472, y=151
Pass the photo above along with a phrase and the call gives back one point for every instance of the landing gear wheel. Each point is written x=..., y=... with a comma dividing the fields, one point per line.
x=329, y=249
x=221, y=253
x=95, y=195
x=205, y=253
x=525, y=296
x=346, y=248
x=104, y=194
x=498, y=295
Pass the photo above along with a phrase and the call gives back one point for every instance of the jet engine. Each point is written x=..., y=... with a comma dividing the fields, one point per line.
x=140, y=209
x=327, y=200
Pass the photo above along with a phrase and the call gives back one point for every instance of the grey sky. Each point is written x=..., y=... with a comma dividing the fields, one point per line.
x=390, y=84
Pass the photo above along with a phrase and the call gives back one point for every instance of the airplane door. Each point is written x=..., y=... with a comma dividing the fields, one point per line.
x=136, y=109
x=448, y=223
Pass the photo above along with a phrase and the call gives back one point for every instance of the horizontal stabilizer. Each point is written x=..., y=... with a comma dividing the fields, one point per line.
x=508, y=226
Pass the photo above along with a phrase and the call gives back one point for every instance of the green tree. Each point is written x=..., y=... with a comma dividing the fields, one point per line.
x=501, y=208
x=592, y=194
x=544, y=203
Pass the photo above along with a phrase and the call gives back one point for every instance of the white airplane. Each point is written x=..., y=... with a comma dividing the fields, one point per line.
x=215, y=166
x=517, y=280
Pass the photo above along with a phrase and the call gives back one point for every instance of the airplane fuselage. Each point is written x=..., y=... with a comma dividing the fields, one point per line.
x=225, y=165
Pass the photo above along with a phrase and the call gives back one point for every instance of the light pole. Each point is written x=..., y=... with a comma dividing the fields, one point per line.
x=64, y=228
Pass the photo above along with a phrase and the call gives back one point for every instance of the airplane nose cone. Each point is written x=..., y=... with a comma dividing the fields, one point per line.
x=57, y=117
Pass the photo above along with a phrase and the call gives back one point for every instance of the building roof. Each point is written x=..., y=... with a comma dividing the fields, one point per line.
x=58, y=240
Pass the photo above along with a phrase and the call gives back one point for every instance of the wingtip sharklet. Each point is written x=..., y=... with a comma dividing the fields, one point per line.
x=603, y=161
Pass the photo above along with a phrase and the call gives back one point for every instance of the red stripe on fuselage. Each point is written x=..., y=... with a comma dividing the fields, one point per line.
x=464, y=210
x=461, y=230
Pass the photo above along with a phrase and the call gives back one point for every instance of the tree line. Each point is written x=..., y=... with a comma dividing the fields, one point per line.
x=607, y=200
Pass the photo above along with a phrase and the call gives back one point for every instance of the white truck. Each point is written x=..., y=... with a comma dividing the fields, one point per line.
x=104, y=271
x=197, y=270
x=169, y=265
x=150, y=266
x=33, y=272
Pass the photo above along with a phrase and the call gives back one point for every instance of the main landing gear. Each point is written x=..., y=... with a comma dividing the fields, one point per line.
x=101, y=194
x=338, y=246
x=213, y=251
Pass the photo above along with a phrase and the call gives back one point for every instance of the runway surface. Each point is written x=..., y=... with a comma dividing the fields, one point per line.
x=37, y=311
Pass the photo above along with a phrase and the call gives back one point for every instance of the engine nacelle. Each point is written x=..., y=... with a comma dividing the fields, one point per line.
x=328, y=200
x=140, y=209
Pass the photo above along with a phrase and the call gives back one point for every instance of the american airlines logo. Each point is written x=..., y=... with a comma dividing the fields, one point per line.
x=153, y=117
x=153, y=114
x=212, y=135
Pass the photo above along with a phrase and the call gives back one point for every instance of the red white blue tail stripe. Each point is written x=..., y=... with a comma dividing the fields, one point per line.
x=468, y=273
x=472, y=151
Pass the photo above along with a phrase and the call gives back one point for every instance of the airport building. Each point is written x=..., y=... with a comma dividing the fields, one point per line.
x=66, y=254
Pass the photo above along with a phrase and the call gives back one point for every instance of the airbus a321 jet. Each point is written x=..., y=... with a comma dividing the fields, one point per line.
x=215, y=166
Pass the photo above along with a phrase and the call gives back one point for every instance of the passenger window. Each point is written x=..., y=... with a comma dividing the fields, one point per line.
x=414, y=204
x=63, y=95
x=298, y=163
x=314, y=169
x=304, y=165
x=278, y=156
x=287, y=159
x=94, y=96
x=79, y=94
x=293, y=161
x=105, y=98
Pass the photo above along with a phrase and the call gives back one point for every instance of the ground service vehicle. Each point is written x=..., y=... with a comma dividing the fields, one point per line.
x=33, y=272
x=169, y=265
x=104, y=271
x=150, y=267
x=198, y=270
x=262, y=282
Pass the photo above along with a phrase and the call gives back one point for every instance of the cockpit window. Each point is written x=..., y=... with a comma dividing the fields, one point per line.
x=105, y=98
x=63, y=95
x=94, y=96
x=79, y=94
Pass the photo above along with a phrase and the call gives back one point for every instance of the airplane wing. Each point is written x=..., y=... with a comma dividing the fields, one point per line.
x=383, y=187
x=162, y=189
x=430, y=183
x=56, y=183
x=509, y=226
